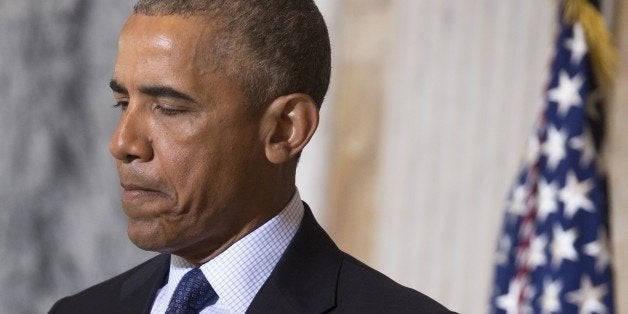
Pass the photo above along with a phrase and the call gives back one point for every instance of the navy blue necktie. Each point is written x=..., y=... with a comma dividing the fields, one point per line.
x=192, y=294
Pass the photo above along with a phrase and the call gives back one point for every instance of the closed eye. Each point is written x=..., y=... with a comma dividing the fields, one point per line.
x=168, y=111
x=122, y=105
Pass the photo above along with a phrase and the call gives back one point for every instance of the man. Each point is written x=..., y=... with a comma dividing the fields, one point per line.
x=218, y=99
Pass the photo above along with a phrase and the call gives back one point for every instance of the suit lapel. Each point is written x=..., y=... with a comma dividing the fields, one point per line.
x=139, y=290
x=305, y=278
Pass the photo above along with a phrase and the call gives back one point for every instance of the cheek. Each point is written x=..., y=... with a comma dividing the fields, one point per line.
x=191, y=170
x=207, y=168
x=181, y=149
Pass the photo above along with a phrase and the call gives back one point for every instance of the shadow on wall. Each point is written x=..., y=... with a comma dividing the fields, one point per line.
x=60, y=219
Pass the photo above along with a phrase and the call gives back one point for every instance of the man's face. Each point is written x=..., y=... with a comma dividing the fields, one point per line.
x=188, y=152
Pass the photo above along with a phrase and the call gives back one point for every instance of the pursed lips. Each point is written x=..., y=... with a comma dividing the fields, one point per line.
x=131, y=192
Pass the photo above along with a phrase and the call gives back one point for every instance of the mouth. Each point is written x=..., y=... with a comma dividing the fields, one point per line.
x=133, y=192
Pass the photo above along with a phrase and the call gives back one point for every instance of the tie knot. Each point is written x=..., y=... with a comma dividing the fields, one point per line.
x=192, y=294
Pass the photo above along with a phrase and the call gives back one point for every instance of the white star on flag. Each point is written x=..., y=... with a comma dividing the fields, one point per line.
x=550, y=300
x=518, y=201
x=533, y=150
x=566, y=94
x=547, y=200
x=584, y=144
x=510, y=301
x=563, y=245
x=501, y=257
x=599, y=250
x=537, y=251
x=588, y=298
x=574, y=195
x=577, y=44
x=554, y=147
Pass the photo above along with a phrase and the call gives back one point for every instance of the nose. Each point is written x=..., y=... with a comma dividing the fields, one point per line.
x=131, y=139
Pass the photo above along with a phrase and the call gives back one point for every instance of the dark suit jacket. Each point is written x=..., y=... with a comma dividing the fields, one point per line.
x=313, y=276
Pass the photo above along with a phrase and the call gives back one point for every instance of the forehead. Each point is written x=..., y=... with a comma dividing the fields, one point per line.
x=170, y=50
x=165, y=36
x=186, y=30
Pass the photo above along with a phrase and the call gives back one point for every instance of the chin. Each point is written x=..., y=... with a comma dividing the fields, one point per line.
x=147, y=235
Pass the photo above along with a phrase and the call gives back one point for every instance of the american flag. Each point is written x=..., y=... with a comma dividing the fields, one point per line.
x=553, y=252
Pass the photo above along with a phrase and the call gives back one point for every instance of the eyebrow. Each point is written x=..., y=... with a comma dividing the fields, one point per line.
x=117, y=87
x=155, y=91
x=165, y=91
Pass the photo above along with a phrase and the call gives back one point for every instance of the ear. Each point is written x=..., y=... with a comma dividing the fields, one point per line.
x=288, y=125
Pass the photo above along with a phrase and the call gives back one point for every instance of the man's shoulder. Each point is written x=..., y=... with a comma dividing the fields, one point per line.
x=317, y=276
x=107, y=296
x=365, y=290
